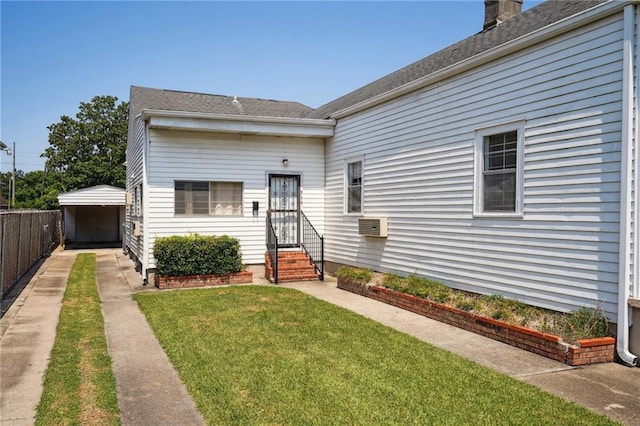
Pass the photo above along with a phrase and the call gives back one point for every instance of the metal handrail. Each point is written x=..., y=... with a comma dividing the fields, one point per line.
x=272, y=247
x=313, y=245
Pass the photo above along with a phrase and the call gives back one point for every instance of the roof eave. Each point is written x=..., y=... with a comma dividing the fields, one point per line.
x=243, y=124
x=542, y=34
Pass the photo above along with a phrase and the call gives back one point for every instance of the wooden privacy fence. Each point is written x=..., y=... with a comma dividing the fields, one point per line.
x=25, y=237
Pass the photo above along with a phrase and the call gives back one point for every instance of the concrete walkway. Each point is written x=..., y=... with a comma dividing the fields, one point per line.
x=28, y=330
x=150, y=391
x=148, y=387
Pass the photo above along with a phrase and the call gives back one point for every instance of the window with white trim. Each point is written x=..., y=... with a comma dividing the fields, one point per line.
x=134, y=201
x=353, y=195
x=139, y=201
x=208, y=198
x=499, y=170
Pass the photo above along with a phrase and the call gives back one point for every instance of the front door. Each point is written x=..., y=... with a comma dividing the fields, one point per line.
x=284, y=205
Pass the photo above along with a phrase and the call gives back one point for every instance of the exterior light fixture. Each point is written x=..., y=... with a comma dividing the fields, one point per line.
x=285, y=162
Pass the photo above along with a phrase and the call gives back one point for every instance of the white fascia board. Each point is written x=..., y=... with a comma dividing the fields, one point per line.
x=245, y=124
x=545, y=33
x=100, y=203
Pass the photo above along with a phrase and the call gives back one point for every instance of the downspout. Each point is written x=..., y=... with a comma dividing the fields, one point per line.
x=622, y=340
x=145, y=203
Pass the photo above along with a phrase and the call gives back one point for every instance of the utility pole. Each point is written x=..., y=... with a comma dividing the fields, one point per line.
x=3, y=147
x=13, y=178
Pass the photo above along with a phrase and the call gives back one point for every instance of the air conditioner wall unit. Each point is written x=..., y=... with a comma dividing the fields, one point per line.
x=136, y=228
x=373, y=227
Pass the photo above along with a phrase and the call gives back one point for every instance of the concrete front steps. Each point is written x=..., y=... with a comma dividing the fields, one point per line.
x=292, y=266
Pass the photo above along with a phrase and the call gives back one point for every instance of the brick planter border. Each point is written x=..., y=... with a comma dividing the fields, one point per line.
x=192, y=281
x=583, y=352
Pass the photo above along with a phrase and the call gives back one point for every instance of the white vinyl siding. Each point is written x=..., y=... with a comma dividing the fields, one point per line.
x=210, y=157
x=562, y=253
x=135, y=170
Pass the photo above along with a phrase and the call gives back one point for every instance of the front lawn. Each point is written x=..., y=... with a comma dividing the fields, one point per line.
x=270, y=355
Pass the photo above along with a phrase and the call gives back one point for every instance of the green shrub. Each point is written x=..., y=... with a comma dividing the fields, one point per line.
x=197, y=255
x=360, y=275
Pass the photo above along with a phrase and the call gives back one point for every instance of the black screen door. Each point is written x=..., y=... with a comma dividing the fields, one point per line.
x=284, y=205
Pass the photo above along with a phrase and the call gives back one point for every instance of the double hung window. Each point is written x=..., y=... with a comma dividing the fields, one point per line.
x=500, y=154
x=499, y=170
x=354, y=187
x=208, y=198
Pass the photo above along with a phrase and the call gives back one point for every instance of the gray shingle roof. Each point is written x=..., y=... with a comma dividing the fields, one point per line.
x=170, y=100
x=530, y=20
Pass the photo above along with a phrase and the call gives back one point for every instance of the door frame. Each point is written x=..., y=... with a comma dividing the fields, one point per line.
x=298, y=177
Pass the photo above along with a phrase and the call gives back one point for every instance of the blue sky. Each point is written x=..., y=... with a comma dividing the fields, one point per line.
x=55, y=55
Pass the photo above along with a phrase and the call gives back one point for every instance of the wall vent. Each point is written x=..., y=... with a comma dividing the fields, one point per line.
x=373, y=227
x=136, y=228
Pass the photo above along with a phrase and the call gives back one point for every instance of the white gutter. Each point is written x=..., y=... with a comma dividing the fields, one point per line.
x=550, y=31
x=245, y=124
x=634, y=299
x=626, y=151
x=147, y=113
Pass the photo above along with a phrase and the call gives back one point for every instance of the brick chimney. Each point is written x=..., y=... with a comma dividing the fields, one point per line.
x=498, y=11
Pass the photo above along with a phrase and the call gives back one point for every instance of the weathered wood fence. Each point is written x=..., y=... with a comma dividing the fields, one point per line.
x=25, y=237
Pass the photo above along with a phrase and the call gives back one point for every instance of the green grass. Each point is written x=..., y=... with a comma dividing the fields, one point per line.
x=79, y=386
x=268, y=355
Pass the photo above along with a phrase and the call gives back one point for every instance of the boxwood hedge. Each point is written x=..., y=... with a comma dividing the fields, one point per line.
x=197, y=255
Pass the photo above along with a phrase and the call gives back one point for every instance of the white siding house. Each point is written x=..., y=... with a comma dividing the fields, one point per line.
x=246, y=159
x=505, y=164
x=174, y=154
x=560, y=248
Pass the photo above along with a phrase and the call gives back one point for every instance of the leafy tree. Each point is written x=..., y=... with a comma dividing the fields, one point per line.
x=89, y=149
x=5, y=179
x=84, y=151
x=35, y=190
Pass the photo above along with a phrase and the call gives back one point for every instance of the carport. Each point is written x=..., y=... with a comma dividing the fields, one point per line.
x=93, y=215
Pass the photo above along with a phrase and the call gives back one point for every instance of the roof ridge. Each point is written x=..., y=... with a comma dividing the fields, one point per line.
x=215, y=94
